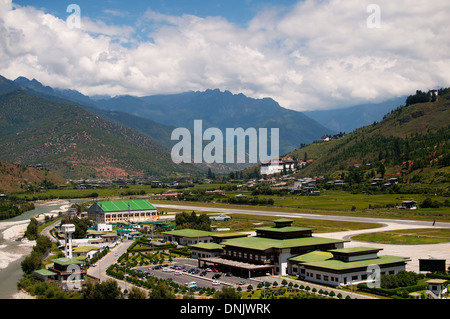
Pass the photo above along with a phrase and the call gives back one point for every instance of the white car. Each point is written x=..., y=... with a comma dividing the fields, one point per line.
x=215, y=283
x=177, y=272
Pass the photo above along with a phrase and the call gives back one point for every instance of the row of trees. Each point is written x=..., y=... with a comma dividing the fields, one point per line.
x=192, y=221
x=10, y=209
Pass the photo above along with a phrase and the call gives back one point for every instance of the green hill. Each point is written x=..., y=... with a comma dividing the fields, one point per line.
x=77, y=144
x=410, y=143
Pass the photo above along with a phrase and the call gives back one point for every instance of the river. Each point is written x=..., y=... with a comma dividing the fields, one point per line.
x=13, y=249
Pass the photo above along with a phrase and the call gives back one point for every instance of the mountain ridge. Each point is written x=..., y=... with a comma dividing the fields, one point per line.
x=406, y=143
x=76, y=143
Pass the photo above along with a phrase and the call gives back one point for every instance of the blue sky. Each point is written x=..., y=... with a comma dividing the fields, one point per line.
x=127, y=12
x=307, y=54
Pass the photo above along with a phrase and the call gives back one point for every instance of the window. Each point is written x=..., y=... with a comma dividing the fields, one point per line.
x=325, y=278
x=355, y=277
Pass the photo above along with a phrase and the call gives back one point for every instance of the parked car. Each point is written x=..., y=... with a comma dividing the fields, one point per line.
x=216, y=283
x=215, y=276
x=203, y=273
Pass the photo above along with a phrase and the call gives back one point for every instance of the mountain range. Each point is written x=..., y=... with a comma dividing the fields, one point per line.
x=76, y=143
x=80, y=136
x=351, y=118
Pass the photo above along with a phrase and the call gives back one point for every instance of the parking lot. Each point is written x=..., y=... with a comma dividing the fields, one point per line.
x=186, y=271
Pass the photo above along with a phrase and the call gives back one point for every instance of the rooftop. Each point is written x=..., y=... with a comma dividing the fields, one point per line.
x=207, y=246
x=66, y=261
x=321, y=259
x=84, y=249
x=189, y=233
x=355, y=250
x=45, y=272
x=260, y=243
x=125, y=205
x=284, y=229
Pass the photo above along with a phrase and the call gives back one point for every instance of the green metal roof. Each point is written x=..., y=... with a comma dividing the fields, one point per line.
x=284, y=229
x=45, y=272
x=190, y=233
x=84, y=249
x=353, y=250
x=125, y=205
x=260, y=243
x=335, y=264
x=207, y=246
x=322, y=259
x=66, y=261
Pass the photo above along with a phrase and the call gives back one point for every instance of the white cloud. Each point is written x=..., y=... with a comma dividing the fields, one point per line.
x=319, y=54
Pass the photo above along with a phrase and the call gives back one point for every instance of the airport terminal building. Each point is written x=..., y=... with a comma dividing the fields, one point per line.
x=284, y=249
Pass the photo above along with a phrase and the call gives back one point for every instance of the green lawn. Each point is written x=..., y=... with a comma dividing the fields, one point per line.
x=408, y=236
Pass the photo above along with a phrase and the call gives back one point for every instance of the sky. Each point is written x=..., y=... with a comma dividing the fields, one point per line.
x=306, y=55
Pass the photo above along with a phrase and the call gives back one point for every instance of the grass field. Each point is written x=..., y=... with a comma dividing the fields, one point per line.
x=408, y=237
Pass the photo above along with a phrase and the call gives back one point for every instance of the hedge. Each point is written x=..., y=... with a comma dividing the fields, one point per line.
x=391, y=292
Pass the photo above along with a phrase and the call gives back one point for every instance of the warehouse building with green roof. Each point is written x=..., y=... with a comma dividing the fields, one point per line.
x=135, y=211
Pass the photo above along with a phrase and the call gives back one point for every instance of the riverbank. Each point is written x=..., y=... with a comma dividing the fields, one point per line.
x=14, y=248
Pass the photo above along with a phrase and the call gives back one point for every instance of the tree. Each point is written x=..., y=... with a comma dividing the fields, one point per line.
x=31, y=263
x=136, y=293
x=161, y=291
x=227, y=293
x=108, y=289
x=32, y=229
x=381, y=170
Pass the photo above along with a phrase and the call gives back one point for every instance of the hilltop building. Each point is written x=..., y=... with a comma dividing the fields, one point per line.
x=277, y=166
x=135, y=211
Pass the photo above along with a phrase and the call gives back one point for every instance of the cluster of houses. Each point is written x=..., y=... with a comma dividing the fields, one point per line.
x=127, y=215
